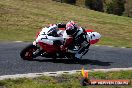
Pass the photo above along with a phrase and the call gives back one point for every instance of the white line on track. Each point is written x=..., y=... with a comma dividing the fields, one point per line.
x=33, y=75
x=108, y=46
x=123, y=47
x=18, y=41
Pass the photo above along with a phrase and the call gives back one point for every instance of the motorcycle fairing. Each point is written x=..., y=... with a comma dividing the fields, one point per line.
x=93, y=36
x=49, y=48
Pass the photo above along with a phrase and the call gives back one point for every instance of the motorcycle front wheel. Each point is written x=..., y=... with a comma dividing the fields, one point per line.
x=27, y=52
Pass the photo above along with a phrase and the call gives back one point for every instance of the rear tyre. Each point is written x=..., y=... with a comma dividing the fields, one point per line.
x=27, y=52
x=70, y=56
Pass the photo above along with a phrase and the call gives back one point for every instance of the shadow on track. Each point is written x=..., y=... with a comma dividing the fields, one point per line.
x=82, y=62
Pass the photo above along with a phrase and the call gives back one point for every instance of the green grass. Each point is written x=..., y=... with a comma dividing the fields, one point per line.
x=66, y=81
x=21, y=19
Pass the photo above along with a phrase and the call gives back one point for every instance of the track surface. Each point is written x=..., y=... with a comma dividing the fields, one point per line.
x=98, y=57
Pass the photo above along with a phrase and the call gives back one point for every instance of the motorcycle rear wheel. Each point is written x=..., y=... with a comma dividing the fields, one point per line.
x=27, y=52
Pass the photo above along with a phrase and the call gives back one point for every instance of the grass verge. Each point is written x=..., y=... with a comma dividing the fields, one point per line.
x=67, y=81
x=21, y=19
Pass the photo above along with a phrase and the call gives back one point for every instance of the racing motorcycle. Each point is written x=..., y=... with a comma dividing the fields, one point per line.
x=48, y=45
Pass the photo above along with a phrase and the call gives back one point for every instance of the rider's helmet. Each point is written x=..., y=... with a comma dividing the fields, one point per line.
x=71, y=27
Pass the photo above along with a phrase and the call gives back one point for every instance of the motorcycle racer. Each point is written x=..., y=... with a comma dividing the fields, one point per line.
x=78, y=37
x=61, y=41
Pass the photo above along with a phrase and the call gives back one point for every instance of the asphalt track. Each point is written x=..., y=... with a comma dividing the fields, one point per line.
x=98, y=57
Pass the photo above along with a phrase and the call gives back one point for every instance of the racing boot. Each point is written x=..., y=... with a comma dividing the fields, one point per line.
x=82, y=51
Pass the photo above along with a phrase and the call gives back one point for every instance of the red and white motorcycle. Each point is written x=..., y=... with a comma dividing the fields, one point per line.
x=48, y=45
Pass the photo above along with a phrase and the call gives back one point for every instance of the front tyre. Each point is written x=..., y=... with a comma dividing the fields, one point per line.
x=27, y=52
